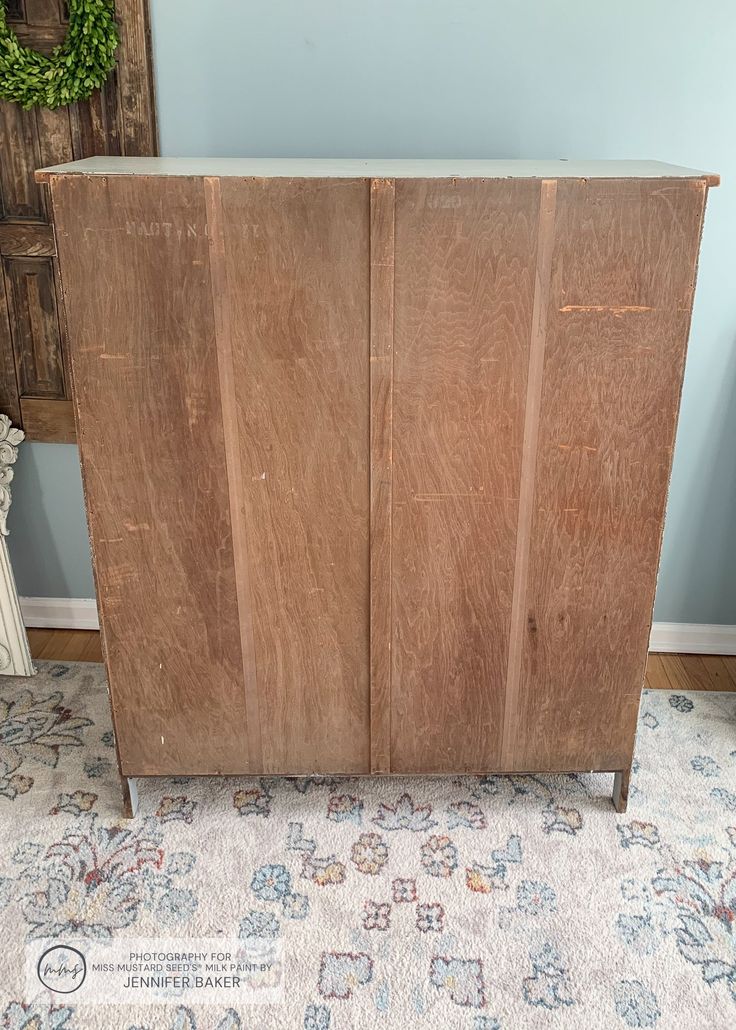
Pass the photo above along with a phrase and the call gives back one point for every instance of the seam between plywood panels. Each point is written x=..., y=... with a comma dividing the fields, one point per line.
x=535, y=375
x=226, y=373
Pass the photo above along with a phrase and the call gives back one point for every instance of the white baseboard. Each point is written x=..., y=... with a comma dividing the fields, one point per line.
x=59, y=612
x=667, y=637
x=692, y=638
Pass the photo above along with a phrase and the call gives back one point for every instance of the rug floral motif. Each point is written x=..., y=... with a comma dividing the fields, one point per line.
x=458, y=903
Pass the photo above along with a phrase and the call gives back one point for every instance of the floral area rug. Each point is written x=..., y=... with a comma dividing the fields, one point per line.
x=491, y=903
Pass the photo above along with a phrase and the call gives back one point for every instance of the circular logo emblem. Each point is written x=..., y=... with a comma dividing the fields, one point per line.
x=62, y=968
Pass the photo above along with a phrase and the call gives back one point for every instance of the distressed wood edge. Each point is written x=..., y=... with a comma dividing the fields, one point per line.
x=40, y=244
x=131, y=90
x=48, y=420
x=233, y=465
x=535, y=377
x=138, y=773
x=703, y=188
x=9, y=389
x=382, y=248
x=88, y=513
x=136, y=83
x=133, y=79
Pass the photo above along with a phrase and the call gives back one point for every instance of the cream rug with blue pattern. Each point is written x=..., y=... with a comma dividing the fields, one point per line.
x=493, y=903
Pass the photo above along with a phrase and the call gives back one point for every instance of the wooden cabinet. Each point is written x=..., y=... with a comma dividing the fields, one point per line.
x=376, y=454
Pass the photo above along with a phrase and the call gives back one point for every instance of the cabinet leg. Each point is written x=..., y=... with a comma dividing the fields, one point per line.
x=621, y=789
x=130, y=796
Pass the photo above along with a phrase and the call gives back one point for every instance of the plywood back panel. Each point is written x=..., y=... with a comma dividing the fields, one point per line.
x=376, y=469
x=139, y=304
x=620, y=296
x=296, y=282
x=465, y=257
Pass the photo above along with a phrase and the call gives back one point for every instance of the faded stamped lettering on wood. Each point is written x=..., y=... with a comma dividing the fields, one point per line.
x=152, y=445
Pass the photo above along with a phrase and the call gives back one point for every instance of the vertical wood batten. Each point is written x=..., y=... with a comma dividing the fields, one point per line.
x=226, y=372
x=545, y=241
x=53, y=184
x=382, y=207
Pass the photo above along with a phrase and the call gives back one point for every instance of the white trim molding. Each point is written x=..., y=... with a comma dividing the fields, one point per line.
x=692, y=638
x=60, y=612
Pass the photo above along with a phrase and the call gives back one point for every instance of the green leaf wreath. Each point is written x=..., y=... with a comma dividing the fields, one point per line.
x=72, y=70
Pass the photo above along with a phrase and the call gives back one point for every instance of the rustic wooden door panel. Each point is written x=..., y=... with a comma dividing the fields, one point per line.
x=26, y=239
x=117, y=119
x=465, y=254
x=35, y=326
x=9, y=403
x=49, y=14
x=295, y=279
x=622, y=280
x=14, y=9
x=152, y=444
x=22, y=197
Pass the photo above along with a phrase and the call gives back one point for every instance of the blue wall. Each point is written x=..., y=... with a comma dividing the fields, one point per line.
x=48, y=541
x=474, y=78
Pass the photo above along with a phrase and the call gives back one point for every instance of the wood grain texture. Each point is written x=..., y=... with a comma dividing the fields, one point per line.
x=26, y=239
x=465, y=273
x=65, y=645
x=300, y=348
x=115, y=120
x=22, y=197
x=32, y=339
x=688, y=671
x=380, y=485
x=48, y=421
x=721, y=670
x=228, y=400
x=381, y=386
x=656, y=677
x=153, y=455
x=623, y=272
x=678, y=672
x=30, y=283
x=136, y=82
x=545, y=240
x=9, y=401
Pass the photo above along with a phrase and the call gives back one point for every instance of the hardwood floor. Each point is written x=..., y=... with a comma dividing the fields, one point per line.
x=65, y=645
x=664, y=671
x=691, y=672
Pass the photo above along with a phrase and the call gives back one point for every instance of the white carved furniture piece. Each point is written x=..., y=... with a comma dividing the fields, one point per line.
x=15, y=656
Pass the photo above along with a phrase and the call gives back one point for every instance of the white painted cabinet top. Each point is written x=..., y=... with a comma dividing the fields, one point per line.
x=374, y=168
